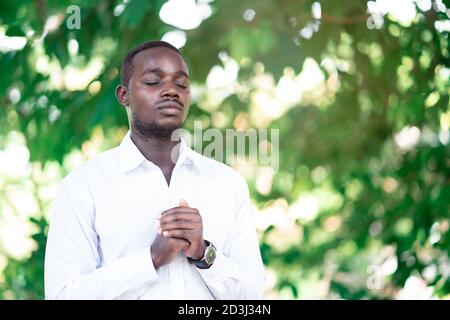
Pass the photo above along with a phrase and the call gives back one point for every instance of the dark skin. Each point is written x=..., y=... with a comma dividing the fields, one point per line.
x=158, y=92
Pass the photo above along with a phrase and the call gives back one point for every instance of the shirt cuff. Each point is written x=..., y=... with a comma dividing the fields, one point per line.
x=217, y=270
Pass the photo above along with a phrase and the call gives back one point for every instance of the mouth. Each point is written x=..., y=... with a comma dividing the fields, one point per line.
x=170, y=108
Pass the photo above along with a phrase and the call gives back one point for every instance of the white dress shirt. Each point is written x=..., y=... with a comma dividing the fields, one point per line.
x=104, y=220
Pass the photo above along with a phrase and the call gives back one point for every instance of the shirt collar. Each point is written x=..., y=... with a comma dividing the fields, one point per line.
x=131, y=157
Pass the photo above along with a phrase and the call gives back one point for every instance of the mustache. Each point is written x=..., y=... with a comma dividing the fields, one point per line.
x=169, y=102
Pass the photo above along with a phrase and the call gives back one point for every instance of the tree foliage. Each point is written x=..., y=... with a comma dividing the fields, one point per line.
x=380, y=208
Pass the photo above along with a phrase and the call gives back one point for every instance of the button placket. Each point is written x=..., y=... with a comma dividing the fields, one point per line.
x=175, y=268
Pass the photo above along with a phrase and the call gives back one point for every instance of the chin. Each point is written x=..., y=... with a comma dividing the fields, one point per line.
x=170, y=123
x=162, y=129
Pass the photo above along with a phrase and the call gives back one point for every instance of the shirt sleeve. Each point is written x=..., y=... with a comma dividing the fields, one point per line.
x=238, y=272
x=72, y=258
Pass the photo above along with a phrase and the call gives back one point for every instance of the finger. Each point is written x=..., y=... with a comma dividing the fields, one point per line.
x=184, y=203
x=182, y=220
x=184, y=225
x=179, y=233
x=187, y=217
x=180, y=225
x=178, y=209
x=180, y=243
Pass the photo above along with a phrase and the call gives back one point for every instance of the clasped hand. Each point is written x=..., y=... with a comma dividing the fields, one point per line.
x=180, y=230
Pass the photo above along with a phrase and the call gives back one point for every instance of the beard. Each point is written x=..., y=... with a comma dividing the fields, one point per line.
x=153, y=130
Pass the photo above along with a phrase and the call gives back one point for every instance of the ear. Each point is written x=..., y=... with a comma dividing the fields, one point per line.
x=122, y=95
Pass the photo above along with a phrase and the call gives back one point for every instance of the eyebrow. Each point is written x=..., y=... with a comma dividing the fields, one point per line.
x=160, y=71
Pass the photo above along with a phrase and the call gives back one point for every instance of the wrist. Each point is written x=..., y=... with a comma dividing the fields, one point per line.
x=200, y=252
x=209, y=255
x=155, y=260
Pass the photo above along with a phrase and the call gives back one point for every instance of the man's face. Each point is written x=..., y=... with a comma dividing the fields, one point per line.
x=158, y=92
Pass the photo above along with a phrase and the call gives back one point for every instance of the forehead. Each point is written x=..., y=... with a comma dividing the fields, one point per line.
x=162, y=58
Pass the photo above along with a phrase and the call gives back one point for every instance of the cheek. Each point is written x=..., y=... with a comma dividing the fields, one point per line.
x=186, y=99
x=142, y=102
x=142, y=105
x=143, y=96
x=187, y=103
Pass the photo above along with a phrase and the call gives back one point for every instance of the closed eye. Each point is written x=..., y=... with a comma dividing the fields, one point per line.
x=181, y=85
x=151, y=83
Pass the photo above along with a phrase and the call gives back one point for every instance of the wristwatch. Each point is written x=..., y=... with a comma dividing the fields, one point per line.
x=208, y=257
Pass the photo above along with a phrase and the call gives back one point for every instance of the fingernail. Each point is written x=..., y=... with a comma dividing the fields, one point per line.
x=183, y=203
x=165, y=233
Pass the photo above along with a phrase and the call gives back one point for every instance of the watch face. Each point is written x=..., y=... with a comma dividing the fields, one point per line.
x=210, y=254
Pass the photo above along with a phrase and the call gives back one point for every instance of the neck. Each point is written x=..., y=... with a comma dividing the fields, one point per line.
x=156, y=149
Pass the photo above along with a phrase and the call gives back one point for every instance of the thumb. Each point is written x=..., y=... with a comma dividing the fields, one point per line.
x=183, y=203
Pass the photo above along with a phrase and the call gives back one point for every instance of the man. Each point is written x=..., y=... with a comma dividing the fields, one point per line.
x=152, y=219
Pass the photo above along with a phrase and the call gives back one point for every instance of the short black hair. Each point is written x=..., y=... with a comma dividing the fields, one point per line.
x=127, y=64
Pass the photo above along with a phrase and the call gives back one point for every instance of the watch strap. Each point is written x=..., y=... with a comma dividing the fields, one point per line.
x=202, y=263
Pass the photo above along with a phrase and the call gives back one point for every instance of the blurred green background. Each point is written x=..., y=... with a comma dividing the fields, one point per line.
x=359, y=208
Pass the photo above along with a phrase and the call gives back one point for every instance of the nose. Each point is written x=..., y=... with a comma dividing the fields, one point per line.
x=170, y=91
